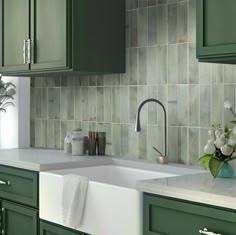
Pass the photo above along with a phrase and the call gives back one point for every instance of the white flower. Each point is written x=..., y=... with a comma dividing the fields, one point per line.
x=218, y=143
x=227, y=150
x=232, y=141
x=211, y=134
x=218, y=132
x=227, y=104
x=234, y=131
x=209, y=149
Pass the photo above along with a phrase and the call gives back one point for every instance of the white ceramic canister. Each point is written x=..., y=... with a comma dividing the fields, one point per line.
x=77, y=141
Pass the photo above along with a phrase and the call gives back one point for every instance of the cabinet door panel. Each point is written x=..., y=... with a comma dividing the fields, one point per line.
x=216, y=36
x=49, y=32
x=14, y=29
x=19, y=219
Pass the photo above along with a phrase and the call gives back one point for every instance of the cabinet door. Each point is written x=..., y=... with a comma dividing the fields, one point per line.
x=14, y=29
x=47, y=228
x=216, y=36
x=17, y=220
x=49, y=34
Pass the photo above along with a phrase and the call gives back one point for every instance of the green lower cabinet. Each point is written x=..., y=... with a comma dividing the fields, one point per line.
x=47, y=228
x=18, y=220
x=169, y=216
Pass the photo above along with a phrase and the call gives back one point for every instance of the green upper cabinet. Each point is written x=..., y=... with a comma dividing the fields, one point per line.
x=216, y=35
x=14, y=29
x=47, y=37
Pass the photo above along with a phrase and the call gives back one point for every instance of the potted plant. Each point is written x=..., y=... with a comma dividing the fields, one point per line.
x=7, y=92
x=220, y=148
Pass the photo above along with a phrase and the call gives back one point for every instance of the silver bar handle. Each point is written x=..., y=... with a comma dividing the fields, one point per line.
x=5, y=182
x=24, y=51
x=206, y=232
x=28, y=51
x=32, y=51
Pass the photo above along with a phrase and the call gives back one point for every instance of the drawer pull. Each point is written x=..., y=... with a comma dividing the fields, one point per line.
x=5, y=182
x=205, y=231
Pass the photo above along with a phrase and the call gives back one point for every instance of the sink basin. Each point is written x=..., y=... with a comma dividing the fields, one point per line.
x=113, y=205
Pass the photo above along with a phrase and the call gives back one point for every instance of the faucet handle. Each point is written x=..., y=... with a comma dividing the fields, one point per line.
x=205, y=231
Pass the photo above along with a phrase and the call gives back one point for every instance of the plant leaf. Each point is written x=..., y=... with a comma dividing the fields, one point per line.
x=233, y=122
x=215, y=166
x=205, y=160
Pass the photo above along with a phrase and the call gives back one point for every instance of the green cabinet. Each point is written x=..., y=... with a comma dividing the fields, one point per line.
x=47, y=37
x=163, y=215
x=17, y=219
x=47, y=228
x=216, y=37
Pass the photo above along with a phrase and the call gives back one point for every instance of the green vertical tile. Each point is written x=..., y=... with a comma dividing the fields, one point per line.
x=50, y=134
x=229, y=73
x=44, y=104
x=193, y=146
x=173, y=64
x=124, y=80
x=38, y=82
x=107, y=80
x=32, y=82
x=38, y=95
x=67, y=103
x=162, y=19
x=205, y=106
x=162, y=97
x=182, y=105
x=133, y=102
x=85, y=127
x=84, y=80
x=216, y=104
x=143, y=27
x=57, y=135
x=172, y=106
x=32, y=103
x=32, y=133
x=124, y=140
x=132, y=4
x=182, y=63
x=127, y=28
x=134, y=28
x=172, y=23
x=152, y=106
x=100, y=104
x=115, y=104
x=142, y=143
x=192, y=21
x=182, y=21
x=38, y=131
x=173, y=144
x=194, y=100
x=193, y=65
x=93, y=80
x=152, y=25
x=54, y=103
x=162, y=64
x=78, y=103
x=142, y=3
x=203, y=140
x=152, y=2
x=92, y=103
x=116, y=140
x=85, y=103
x=204, y=73
x=53, y=82
x=217, y=73
x=183, y=145
x=107, y=104
x=142, y=72
x=133, y=143
x=229, y=94
x=152, y=66
x=92, y=126
x=133, y=66
x=67, y=81
x=124, y=104
x=100, y=80
x=44, y=134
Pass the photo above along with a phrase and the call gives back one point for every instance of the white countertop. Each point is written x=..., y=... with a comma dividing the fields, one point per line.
x=202, y=188
x=44, y=159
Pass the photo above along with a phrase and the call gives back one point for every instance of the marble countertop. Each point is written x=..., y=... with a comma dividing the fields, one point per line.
x=201, y=187
x=44, y=159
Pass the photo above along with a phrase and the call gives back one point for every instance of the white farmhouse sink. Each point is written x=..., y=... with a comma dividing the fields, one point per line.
x=113, y=205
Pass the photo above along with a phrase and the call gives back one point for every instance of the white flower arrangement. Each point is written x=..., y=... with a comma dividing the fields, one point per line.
x=221, y=145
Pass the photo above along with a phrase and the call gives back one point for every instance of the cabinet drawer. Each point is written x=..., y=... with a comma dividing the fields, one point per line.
x=22, y=187
x=166, y=216
x=47, y=228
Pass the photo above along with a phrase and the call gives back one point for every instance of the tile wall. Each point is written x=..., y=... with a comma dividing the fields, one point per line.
x=160, y=58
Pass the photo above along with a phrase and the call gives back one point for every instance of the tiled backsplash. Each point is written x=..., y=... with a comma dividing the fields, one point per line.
x=161, y=64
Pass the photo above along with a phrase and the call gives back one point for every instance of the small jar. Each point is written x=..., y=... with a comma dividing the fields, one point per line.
x=77, y=141
x=67, y=144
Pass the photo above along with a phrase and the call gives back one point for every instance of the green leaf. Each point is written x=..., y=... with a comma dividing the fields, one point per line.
x=205, y=160
x=215, y=166
x=233, y=122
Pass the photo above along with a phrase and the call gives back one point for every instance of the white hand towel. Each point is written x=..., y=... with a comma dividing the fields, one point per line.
x=73, y=199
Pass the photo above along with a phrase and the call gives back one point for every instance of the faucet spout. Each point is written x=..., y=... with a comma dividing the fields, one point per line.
x=138, y=126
